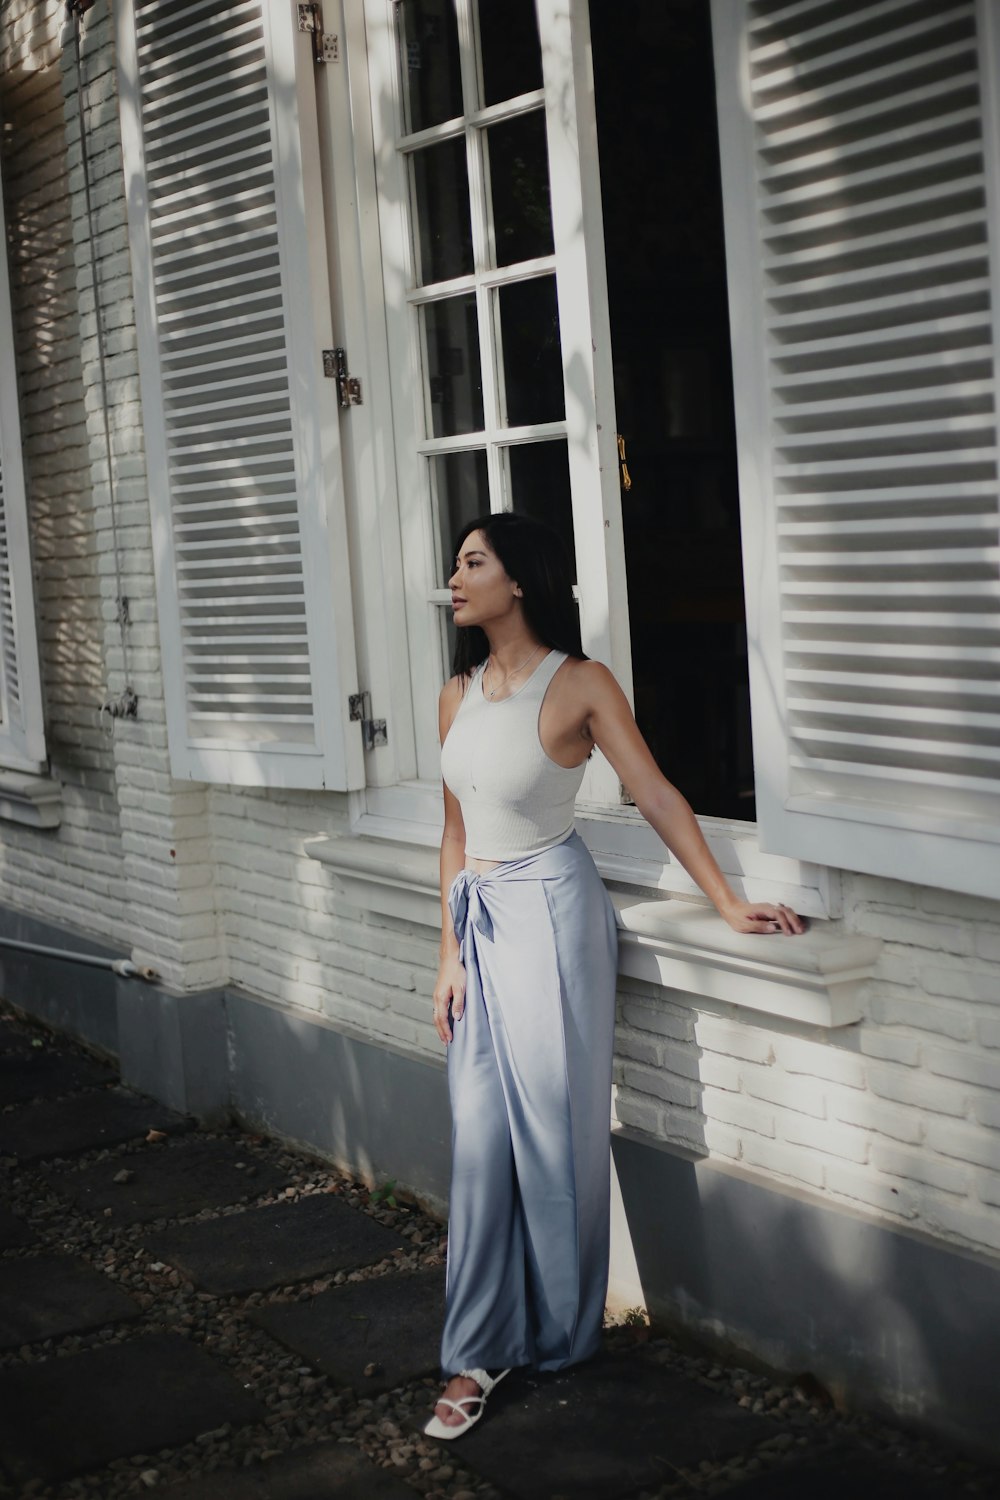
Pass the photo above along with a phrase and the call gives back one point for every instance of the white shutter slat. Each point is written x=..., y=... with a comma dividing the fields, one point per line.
x=950, y=88
x=934, y=503
x=784, y=91
x=885, y=687
x=857, y=182
x=835, y=180
x=22, y=733
x=872, y=407
x=941, y=464
x=907, y=655
x=826, y=589
x=857, y=249
x=835, y=60
x=898, y=312
x=869, y=377
x=946, y=335
x=933, y=723
x=219, y=130
x=950, y=127
x=924, y=773
x=942, y=539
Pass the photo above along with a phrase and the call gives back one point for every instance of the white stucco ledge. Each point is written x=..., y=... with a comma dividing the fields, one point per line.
x=35, y=800
x=815, y=978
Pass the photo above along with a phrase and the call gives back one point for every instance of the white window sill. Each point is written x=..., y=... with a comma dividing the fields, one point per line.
x=814, y=979
x=33, y=800
x=629, y=853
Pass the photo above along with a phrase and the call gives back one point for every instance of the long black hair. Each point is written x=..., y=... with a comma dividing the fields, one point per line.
x=534, y=556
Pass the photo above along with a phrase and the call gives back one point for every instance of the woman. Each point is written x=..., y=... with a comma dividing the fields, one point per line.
x=525, y=991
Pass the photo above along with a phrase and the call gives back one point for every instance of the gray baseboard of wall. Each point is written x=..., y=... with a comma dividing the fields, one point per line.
x=375, y=1109
x=887, y=1319
x=73, y=998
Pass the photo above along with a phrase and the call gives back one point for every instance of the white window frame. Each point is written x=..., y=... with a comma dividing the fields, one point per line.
x=591, y=443
x=397, y=647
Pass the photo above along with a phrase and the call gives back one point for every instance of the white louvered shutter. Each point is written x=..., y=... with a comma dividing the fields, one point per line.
x=22, y=733
x=242, y=442
x=858, y=151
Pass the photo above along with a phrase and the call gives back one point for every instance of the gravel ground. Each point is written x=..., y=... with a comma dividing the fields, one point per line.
x=305, y=1407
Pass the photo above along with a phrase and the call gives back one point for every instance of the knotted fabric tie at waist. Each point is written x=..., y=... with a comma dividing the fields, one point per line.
x=469, y=893
x=464, y=902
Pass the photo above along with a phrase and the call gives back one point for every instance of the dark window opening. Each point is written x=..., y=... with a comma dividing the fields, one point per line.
x=660, y=184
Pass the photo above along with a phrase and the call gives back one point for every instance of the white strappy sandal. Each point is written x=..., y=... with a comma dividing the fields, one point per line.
x=437, y=1429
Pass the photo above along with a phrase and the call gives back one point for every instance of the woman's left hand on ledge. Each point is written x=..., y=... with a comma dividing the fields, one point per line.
x=762, y=916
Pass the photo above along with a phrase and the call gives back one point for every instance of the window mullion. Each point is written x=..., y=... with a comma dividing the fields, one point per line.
x=508, y=109
x=482, y=240
x=577, y=227
x=522, y=270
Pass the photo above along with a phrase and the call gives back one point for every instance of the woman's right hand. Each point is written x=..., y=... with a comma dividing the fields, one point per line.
x=449, y=996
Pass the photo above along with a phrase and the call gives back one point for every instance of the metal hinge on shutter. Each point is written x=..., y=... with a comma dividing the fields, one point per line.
x=335, y=368
x=326, y=48
x=373, y=731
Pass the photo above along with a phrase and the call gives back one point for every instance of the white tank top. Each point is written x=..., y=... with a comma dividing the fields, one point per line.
x=515, y=800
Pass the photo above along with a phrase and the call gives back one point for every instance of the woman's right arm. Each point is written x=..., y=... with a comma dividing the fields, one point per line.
x=449, y=990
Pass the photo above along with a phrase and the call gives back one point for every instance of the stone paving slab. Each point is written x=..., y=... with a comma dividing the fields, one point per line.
x=267, y=1247
x=329, y=1470
x=169, y=1184
x=67, y=1127
x=65, y=1416
x=838, y=1473
x=603, y=1431
x=392, y=1322
x=48, y=1296
x=40, y=1074
x=14, y=1232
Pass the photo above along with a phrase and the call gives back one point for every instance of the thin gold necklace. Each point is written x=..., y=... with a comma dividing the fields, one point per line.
x=513, y=671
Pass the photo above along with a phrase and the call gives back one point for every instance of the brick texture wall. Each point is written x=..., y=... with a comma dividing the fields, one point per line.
x=899, y=1114
x=74, y=874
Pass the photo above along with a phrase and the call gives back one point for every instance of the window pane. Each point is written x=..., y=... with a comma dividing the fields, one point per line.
x=532, y=357
x=461, y=489
x=519, y=180
x=454, y=381
x=512, y=57
x=538, y=486
x=429, y=63
x=441, y=208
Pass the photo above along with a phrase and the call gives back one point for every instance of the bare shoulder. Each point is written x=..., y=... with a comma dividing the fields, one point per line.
x=448, y=704
x=591, y=682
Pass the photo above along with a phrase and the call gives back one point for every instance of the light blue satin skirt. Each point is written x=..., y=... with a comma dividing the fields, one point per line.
x=529, y=1071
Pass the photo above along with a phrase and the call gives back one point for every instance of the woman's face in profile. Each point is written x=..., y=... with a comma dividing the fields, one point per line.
x=480, y=588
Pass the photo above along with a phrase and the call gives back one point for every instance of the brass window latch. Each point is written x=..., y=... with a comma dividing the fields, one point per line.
x=626, y=477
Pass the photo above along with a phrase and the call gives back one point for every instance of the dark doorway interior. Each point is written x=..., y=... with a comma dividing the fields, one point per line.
x=659, y=157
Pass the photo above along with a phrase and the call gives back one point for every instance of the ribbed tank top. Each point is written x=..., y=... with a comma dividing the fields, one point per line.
x=515, y=799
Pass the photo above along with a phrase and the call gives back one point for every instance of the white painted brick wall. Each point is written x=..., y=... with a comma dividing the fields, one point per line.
x=899, y=1115
x=74, y=875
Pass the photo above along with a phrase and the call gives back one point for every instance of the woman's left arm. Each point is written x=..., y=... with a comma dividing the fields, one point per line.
x=611, y=726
